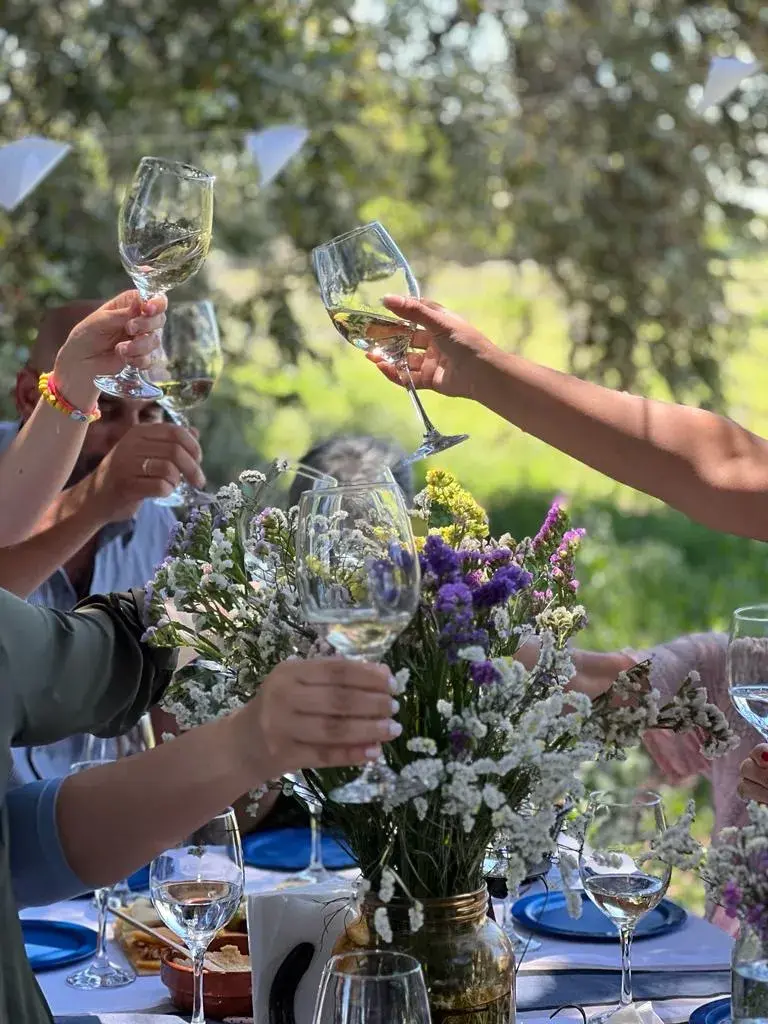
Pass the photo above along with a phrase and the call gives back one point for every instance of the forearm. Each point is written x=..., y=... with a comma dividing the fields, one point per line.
x=595, y=672
x=24, y=566
x=114, y=819
x=702, y=464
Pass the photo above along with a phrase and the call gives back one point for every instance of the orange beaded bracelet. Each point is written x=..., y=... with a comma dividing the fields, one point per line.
x=50, y=393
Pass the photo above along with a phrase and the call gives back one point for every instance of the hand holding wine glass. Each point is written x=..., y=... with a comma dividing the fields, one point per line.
x=185, y=374
x=618, y=870
x=747, y=665
x=164, y=230
x=196, y=887
x=354, y=271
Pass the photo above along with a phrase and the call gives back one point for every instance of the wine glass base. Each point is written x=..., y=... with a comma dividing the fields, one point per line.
x=606, y=1015
x=134, y=387
x=372, y=783
x=432, y=445
x=185, y=497
x=315, y=875
x=101, y=974
x=521, y=944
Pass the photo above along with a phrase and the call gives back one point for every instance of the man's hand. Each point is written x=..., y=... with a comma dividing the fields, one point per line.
x=324, y=712
x=443, y=355
x=148, y=462
x=121, y=331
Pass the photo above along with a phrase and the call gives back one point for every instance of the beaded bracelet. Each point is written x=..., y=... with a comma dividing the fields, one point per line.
x=50, y=393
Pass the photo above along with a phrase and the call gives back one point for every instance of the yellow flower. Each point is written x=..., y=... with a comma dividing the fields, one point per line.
x=452, y=511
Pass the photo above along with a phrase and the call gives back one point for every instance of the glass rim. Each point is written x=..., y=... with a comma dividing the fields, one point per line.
x=365, y=485
x=610, y=798
x=191, y=172
x=746, y=613
x=410, y=964
x=374, y=225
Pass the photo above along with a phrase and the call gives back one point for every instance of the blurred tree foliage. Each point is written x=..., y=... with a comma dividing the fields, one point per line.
x=560, y=131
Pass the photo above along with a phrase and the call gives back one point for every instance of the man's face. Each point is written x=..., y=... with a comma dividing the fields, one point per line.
x=118, y=416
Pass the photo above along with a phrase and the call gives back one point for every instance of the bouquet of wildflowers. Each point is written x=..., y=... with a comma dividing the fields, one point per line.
x=492, y=739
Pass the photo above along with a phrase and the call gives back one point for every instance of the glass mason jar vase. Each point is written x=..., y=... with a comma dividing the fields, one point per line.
x=467, y=959
x=749, y=977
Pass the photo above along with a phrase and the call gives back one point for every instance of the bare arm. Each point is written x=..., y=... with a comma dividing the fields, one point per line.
x=40, y=459
x=704, y=465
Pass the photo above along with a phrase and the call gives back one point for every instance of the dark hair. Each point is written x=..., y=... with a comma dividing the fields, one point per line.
x=352, y=458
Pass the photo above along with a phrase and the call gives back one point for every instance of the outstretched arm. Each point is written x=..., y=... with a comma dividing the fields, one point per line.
x=704, y=465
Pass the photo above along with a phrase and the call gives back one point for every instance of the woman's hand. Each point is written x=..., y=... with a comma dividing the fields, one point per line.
x=319, y=713
x=123, y=330
x=443, y=355
x=753, y=784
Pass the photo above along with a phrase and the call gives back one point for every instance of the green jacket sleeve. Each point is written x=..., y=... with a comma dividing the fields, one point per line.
x=83, y=671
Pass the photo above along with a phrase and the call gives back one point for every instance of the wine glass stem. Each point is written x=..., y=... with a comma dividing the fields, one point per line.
x=316, y=840
x=405, y=373
x=198, y=958
x=625, y=937
x=102, y=899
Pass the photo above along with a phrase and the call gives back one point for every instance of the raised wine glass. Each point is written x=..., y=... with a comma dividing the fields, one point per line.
x=747, y=665
x=190, y=364
x=196, y=887
x=354, y=271
x=101, y=972
x=618, y=870
x=164, y=232
x=372, y=987
x=358, y=578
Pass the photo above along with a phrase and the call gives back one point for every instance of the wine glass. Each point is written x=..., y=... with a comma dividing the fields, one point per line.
x=354, y=271
x=196, y=887
x=495, y=871
x=618, y=869
x=164, y=232
x=296, y=785
x=747, y=665
x=190, y=364
x=358, y=578
x=372, y=988
x=101, y=972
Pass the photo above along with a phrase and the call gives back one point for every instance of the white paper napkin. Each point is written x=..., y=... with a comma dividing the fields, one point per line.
x=23, y=165
x=277, y=922
x=274, y=148
x=725, y=76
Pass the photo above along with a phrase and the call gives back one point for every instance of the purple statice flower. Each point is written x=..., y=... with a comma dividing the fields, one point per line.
x=483, y=673
x=455, y=600
x=497, y=556
x=546, y=535
x=473, y=579
x=562, y=560
x=149, y=595
x=732, y=899
x=504, y=583
x=453, y=605
x=459, y=742
x=383, y=582
x=400, y=556
x=439, y=560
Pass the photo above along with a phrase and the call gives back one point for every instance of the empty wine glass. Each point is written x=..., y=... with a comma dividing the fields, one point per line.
x=296, y=785
x=747, y=665
x=196, y=887
x=101, y=972
x=372, y=988
x=618, y=869
x=354, y=271
x=495, y=871
x=189, y=366
x=358, y=578
x=164, y=232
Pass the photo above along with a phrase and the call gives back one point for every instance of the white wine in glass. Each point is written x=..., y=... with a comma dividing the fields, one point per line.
x=354, y=271
x=747, y=665
x=618, y=870
x=164, y=232
x=190, y=364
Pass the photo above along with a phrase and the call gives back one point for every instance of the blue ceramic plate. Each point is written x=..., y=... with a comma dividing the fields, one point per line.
x=547, y=914
x=717, y=1012
x=51, y=944
x=138, y=882
x=287, y=849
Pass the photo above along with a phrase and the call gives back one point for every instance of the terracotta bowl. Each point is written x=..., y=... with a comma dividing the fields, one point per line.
x=224, y=995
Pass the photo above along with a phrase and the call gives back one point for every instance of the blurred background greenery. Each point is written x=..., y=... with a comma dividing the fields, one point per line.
x=539, y=161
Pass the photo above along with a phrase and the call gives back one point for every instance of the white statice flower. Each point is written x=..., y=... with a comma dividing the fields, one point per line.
x=501, y=621
x=381, y=924
x=472, y=654
x=690, y=709
x=387, y=886
x=230, y=500
x=401, y=678
x=493, y=797
x=676, y=846
x=421, y=806
x=606, y=858
x=252, y=477
x=444, y=708
x=416, y=916
x=569, y=875
x=422, y=745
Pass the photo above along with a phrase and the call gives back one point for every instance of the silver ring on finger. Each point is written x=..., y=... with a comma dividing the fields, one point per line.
x=145, y=466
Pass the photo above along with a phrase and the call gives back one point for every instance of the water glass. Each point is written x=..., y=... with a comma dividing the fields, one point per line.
x=747, y=665
x=372, y=988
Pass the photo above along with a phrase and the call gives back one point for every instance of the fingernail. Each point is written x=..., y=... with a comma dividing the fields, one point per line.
x=373, y=753
x=764, y=756
x=390, y=728
x=395, y=707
